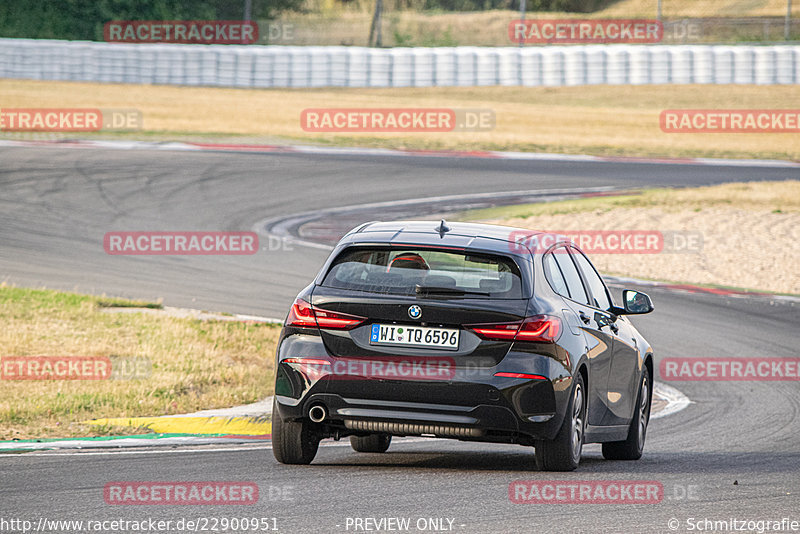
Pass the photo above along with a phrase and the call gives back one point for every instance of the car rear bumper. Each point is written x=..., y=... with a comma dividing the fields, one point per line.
x=408, y=418
x=466, y=403
x=462, y=417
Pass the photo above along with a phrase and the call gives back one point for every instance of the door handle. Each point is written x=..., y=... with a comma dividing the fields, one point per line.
x=585, y=318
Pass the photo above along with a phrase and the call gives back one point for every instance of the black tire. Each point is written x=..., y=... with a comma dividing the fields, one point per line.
x=293, y=442
x=632, y=447
x=371, y=443
x=563, y=453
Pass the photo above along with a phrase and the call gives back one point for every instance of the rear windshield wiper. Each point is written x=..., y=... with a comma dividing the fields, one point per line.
x=433, y=290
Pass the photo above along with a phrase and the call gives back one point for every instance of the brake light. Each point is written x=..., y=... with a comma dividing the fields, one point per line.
x=304, y=315
x=526, y=376
x=306, y=361
x=500, y=331
x=539, y=328
x=301, y=315
x=336, y=320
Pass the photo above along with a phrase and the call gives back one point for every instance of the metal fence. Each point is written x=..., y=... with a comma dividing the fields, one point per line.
x=287, y=66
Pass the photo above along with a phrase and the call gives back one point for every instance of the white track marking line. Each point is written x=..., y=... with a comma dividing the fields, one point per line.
x=257, y=445
x=384, y=152
x=278, y=226
x=676, y=401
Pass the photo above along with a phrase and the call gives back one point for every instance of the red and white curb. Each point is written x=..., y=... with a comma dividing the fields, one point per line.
x=383, y=152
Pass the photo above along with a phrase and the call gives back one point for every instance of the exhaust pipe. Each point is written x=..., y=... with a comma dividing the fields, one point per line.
x=317, y=413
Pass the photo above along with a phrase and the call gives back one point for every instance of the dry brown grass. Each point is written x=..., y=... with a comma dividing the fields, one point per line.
x=613, y=8
x=698, y=8
x=331, y=23
x=195, y=364
x=606, y=120
x=750, y=232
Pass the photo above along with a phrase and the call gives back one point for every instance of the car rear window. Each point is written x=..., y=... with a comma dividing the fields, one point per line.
x=440, y=273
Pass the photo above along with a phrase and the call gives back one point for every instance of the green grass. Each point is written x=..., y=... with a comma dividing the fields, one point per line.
x=193, y=364
x=124, y=303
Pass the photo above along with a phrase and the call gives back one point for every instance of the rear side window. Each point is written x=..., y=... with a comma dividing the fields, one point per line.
x=554, y=276
x=446, y=273
x=596, y=285
x=570, y=272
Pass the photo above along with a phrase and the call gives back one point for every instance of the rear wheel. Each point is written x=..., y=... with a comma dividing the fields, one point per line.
x=371, y=443
x=564, y=452
x=631, y=448
x=293, y=442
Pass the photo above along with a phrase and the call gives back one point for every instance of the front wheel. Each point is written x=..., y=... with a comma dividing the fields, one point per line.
x=293, y=442
x=631, y=448
x=564, y=452
x=371, y=443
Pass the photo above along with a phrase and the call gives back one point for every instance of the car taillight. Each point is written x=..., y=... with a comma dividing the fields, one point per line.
x=539, y=328
x=524, y=376
x=499, y=331
x=305, y=315
x=306, y=361
x=301, y=315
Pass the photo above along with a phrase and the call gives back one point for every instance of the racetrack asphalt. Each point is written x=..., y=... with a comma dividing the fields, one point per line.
x=734, y=453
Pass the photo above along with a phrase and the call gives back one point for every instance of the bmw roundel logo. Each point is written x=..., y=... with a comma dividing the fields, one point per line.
x=415, y=312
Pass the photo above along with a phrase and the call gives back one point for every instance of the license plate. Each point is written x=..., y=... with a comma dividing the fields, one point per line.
x=414, y=336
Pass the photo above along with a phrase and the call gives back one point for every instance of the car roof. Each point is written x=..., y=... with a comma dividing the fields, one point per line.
x=461, y=234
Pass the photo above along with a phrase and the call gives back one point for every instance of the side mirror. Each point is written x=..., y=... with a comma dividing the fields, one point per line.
x=636, y=303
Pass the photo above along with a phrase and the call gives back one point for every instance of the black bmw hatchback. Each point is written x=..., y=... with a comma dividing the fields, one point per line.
x=462, y=331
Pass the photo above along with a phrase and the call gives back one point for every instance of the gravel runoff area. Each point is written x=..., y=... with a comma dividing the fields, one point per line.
x=732, y=245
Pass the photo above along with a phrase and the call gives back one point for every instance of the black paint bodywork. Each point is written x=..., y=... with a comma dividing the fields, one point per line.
x=507, y=410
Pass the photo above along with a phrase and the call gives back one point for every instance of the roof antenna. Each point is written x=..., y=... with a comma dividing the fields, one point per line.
x=443, y=228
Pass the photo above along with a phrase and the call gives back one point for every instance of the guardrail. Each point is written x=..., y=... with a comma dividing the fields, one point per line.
x=339, y=66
